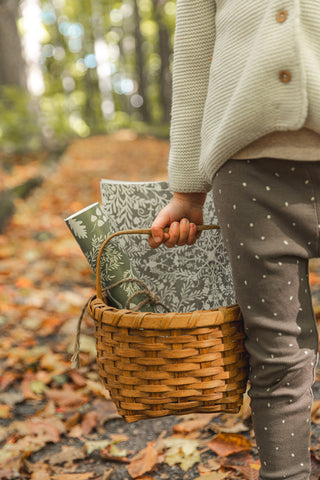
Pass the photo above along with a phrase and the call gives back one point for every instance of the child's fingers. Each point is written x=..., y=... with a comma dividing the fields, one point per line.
x=193, y=234
x=184, y=232
x=158, y=236
x=174, y=234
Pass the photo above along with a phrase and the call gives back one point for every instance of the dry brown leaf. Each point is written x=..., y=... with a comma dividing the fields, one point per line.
x=73, y=420
x=106, y=454
x=145, y=478
x=193, y=422
x=10, y=468
x=119, y=437
x=89, y=422
x=48, y=429
x=231, y=424
x=5, y=411
x=210, y=466
x=40, y=475
x=107, y=474
x=98, y=389
x=77, y=378
x=48, y=410
x=66, y=455
x=65, y=397
x=105, y=409
x=245, y=411
x=225, y=444
x=144, y=461
x=315, y=411
x=75, y=476
x=245, y=464
x=212, y=476
x=315, y=468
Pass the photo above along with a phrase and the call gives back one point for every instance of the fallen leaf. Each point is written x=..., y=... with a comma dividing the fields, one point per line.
x=26, y=446
x=227, y=443
x=10, y=468
x=91, y=446
x=119, y=437
x=66, y=455
x=244, y=464
x=315, y=411
x=210, y=466
x=182, y=451
x=40, y=475
x=89, y=422
x=315, y=468
x=145, y=478
x=11, y=398
x=114, y=454
x=231, y=424
x=48, y=429
x=73, y=420
x=194, y=422
x=107, y=474
x=65, y=397
x=143, y=462
x=105, y=410
x=212, y=476
x=98, y=389
x=77, y=378
x=5, y=411
x=75, y=476
x=245, y=411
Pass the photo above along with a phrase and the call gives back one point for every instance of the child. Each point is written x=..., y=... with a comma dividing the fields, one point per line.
x=246, y=122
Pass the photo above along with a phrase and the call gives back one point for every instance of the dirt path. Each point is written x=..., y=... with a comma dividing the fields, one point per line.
x=56, y=423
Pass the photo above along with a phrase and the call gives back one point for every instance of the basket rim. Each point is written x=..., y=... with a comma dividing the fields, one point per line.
x=109, y=315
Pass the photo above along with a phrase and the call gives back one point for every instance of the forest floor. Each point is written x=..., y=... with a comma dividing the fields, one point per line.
x=58, y=423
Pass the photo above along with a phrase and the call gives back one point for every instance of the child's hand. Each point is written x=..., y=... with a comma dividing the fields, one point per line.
x=182, y=214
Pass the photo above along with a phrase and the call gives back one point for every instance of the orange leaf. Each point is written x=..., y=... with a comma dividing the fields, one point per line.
x=225, y=444
x=314, y=279
x=23, y=282
x=143, y=462
x=5, y=411
x=74, y=476
x=145, y=478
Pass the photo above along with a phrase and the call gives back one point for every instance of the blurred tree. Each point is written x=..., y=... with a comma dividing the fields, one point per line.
x=164, y=51
x=12, y=68
x=141, y=65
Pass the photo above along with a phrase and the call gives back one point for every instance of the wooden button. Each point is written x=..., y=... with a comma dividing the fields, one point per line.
x=282, y=16
x=285, y=76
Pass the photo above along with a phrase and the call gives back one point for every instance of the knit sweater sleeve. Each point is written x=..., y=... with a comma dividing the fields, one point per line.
x=193, y=48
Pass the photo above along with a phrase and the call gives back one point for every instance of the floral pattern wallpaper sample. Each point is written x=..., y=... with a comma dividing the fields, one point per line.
x=90, y=228
x=185, y=278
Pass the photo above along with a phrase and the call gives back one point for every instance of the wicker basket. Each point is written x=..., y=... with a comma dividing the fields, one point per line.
x=158, y=364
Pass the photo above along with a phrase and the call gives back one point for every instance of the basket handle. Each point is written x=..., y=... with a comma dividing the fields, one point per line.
x=146, y=231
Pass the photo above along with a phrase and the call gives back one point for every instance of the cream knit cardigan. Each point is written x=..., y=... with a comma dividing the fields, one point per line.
x=227, y=90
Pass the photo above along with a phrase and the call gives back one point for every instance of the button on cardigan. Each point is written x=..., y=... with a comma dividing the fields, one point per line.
x=232, y=63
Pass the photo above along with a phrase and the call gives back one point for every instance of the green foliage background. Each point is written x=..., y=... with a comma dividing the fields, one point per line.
x=71, y=104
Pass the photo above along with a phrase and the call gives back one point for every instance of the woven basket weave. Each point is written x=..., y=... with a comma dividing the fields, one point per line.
x=159, y=364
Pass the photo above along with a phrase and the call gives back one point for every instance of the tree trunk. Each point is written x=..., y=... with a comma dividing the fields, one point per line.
x=164, y=52
x=140, y=62
x=11, y=59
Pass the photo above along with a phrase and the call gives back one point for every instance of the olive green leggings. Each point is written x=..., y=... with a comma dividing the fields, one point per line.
x=269, y=213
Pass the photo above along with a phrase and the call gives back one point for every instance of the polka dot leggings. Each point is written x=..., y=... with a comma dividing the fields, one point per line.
x=269, y=213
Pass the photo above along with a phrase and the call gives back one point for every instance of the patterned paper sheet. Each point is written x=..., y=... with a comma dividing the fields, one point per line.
x=185, y=278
